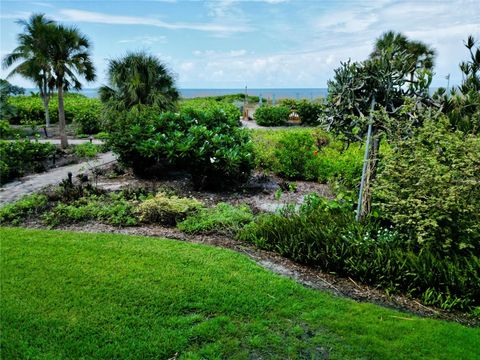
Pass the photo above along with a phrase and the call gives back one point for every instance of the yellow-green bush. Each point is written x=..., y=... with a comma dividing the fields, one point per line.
x=166, y=209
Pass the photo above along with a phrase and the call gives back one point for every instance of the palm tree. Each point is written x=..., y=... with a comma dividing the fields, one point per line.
x=69, y=57
x=31, y=56
x=419, y=55
x=139, y=79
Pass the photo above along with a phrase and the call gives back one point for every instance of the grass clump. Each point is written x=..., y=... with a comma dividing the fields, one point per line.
x=223, y=218
x=166, y=209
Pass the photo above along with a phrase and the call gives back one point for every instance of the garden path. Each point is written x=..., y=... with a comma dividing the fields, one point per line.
x=30, y=184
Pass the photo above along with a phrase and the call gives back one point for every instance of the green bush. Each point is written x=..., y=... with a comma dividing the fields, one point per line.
x=223, y=218
x=87, y=119
x=308, y=154
x=207, y=143
x=430, y=188
x=87, y=150
x=31, y=205
x=5, y=130
x=210, y=106
x=166, y=209
x=324, y=233
x=23, y=156
x=29, y=109
x=308, y=111
x=272, y=115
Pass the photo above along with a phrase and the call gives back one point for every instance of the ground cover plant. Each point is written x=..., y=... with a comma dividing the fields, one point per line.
x=325, y=234
x=63, y=293
x=223, y=218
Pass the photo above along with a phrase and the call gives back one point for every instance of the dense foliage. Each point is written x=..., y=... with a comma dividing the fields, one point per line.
x=429, y=188
x=307, y=154
x=309, y=111
x=324, y=233
x=272, y=115
x=23, y=156
x=207, y=143
x=83, y=111
x=139, y=78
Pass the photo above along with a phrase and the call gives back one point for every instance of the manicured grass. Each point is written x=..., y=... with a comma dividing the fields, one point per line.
x=74, y=295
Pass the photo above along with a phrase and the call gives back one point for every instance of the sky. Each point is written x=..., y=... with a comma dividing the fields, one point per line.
x=262, y=43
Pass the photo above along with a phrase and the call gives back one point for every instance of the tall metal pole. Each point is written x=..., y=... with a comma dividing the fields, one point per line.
x=365, y=162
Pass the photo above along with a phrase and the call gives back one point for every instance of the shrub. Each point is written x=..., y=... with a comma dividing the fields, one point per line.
x=308, y=111
x=87, y=119
x=24, y=208
x=272, y=115
x=30, y=109
x=166, y=209
x=324, y=233
x=87, y=150
x=308, y=154
x=22, y=156
x=430, y=188
x=206, y=143
x=5, y=130
x=232, y=112
x=223, y=218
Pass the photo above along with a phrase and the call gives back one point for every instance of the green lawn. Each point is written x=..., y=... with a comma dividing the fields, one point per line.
x=74, y=295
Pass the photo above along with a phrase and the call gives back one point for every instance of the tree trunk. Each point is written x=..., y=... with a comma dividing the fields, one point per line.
x=61, y=115
x=47, y=114
x=370, y=177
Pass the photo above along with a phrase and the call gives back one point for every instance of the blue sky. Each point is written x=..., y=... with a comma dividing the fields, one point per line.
x=264, y=43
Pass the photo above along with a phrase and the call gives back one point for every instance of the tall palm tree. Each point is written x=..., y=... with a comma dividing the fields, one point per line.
x=419, y=55
x=31, y=56
x=139, y=79
x=69, y=57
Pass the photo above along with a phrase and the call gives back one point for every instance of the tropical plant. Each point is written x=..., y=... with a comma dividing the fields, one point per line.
x=139, y=79
x=272, y=115
x=31, y=57
x=69, y=57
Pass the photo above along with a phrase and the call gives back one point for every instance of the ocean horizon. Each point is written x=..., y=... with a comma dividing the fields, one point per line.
x=265, y=93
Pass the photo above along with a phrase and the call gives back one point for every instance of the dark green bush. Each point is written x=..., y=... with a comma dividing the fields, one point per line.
x=208, y=105
x=308, y=111
x=430, y=189
x=272, y=115
x=324, y=234
x=87, y=119
x=207, y=143
x=29, y=109
x=23, y=156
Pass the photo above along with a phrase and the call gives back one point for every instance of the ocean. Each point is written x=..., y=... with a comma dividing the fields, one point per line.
x=278, y=93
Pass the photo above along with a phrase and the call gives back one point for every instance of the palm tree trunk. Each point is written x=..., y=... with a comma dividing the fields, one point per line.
x=61, y=115
x=47, y=113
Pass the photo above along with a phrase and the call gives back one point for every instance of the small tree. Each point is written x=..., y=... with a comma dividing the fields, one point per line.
x=69, y=57
x=31, y=57
x=139, y=79
x=384, y=80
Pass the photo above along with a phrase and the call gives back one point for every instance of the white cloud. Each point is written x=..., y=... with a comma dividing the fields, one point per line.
x=145, y=40
x=220, y=54
x=102, y=18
